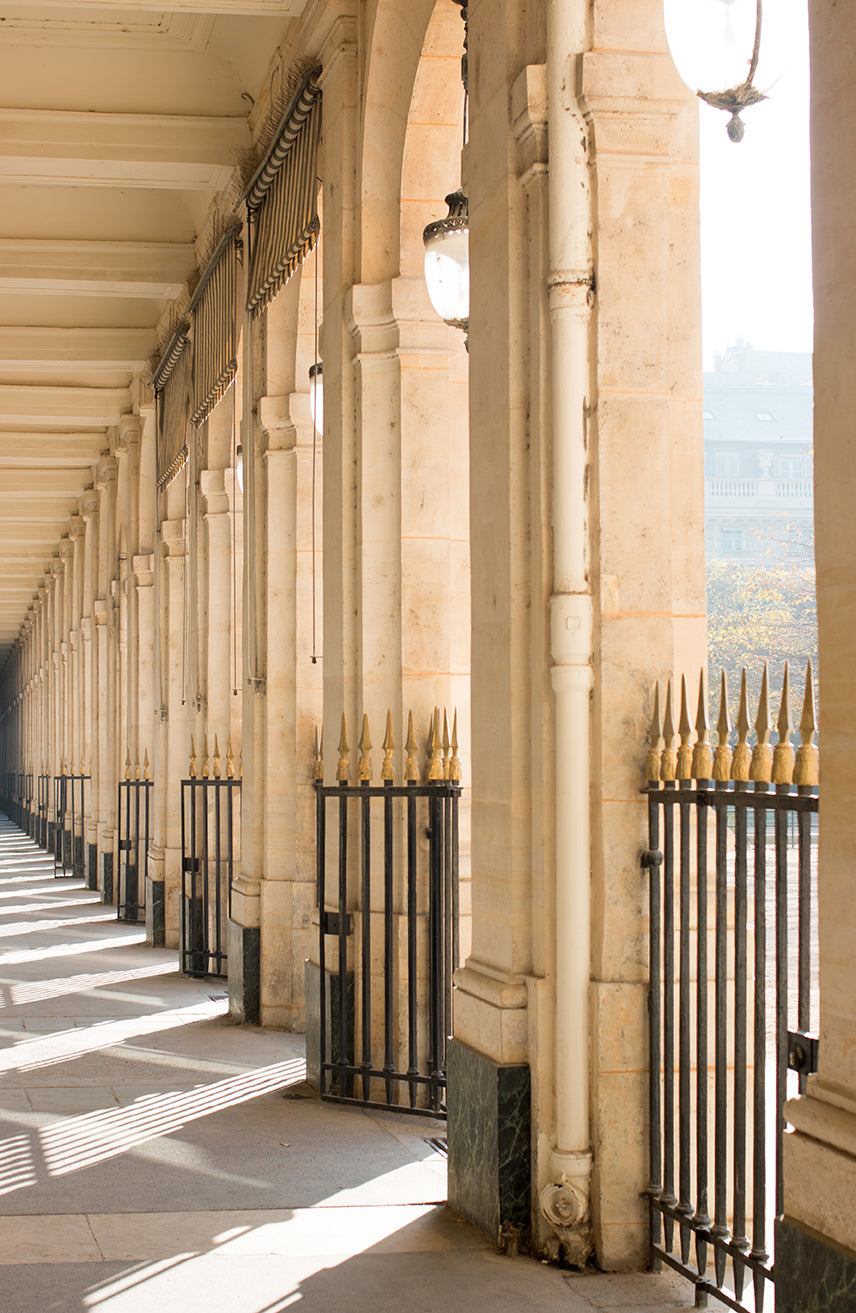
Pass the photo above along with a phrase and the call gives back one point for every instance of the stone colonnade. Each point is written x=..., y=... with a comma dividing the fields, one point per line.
x=516, y=532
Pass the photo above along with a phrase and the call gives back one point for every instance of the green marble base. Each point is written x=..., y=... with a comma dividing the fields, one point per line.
x=77, y=845
x=91, y=866
x=332, y=1043
x=244, y=964
x=155, y=913
x=812, y=1275
x=489, y=1142
x=107, y=877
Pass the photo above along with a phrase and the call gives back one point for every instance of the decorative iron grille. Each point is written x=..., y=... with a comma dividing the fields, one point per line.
x=387, y=892
x=716, y=1181
x=210, y=841
x=133, y=841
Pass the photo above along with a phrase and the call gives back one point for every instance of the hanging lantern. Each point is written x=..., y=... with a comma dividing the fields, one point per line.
x=447, y=262
x=316, y=397
x=716, y=46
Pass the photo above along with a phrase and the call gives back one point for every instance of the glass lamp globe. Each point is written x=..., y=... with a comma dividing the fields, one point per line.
x=718, y=51
x=447, y=262
x=316, y=396
x=239, y=462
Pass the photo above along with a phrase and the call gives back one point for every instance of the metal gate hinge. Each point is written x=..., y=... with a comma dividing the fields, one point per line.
x=651, y=857
x=802, y=1052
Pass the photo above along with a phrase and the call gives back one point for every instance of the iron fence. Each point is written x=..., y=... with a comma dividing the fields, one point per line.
x=133, y=845
x=716, y=1148
x=388, y=929
x=43, y=793
x=210, y=840
x=68, y=824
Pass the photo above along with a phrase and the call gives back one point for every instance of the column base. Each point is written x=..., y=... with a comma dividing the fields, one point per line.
x=812, y=1275
x=244, y=962
x=490, y=1166
x=92, y=866
x=332, y=1039
x=155, y=913
x=107, y=877
x=77, y=855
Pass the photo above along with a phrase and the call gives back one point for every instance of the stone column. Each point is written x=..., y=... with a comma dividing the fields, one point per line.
x=580, y=381
x=89, y=511
x=816, y=1240
x=104, y=777
x=172, y=748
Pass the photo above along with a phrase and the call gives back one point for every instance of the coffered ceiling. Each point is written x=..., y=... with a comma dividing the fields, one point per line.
x=118, y=123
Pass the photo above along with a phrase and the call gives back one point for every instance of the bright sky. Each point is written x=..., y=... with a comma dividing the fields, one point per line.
x=755, y=211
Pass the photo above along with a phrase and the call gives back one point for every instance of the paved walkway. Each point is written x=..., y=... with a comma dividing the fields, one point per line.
x=153, y=1156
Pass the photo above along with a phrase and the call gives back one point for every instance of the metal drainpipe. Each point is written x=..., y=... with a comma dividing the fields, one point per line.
x=570, y=285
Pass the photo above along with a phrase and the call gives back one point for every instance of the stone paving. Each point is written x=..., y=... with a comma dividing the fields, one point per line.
x=155, y=1156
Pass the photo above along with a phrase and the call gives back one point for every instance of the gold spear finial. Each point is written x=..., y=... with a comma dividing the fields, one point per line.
x=702, y=754
x=62, y=769
x=411, y=765
x=783, y=753
x=71, y=771
x=669, y=759
x=364, y=770
x=807, y=768
x=137, y=767
x=205, y=756
x=216, y=758
x=192, y=770
x=455, y=772
x=128, y=765
x=722, y=755
x=387, y=770
x=435, y=761
x=685, y=752
x=446, y=745
x=655, y=738
x=146, y=765
x=342, y=769
x=762, y=753
x=318, y=768
x=230, y=759
x=742, y=758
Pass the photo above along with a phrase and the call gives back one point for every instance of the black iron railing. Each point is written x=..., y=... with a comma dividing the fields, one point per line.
x=719, y=824
x=387, y=894
x=68, y=824
x=133, y=846
x=43, y=795
x=210, y=830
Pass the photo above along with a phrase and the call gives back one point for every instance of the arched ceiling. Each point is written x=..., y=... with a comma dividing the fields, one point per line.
x=117, y=126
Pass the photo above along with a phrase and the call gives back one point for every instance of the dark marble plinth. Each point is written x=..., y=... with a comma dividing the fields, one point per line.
x=489, y=1142
x=77, y=845
x=106, y=877
x=332, y=1031
x=812, y=1275
x=155, y=913
x=91, y=866
x=244, y=964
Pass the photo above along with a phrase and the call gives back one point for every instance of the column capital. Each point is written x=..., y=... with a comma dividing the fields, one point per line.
x=144, y=570
x=66, y=547
x=215, y=486
x=106, y=472
x=130, y=433
x=55, y=569
x=89, y=504
x=76, y=527
x=172, y=537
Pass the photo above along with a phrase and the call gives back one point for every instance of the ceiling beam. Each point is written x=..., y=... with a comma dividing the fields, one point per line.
x=246, y=8
x=151, y=270
x=28, y=451
x=75, y=349
x=44, y=407
x=66, y=147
